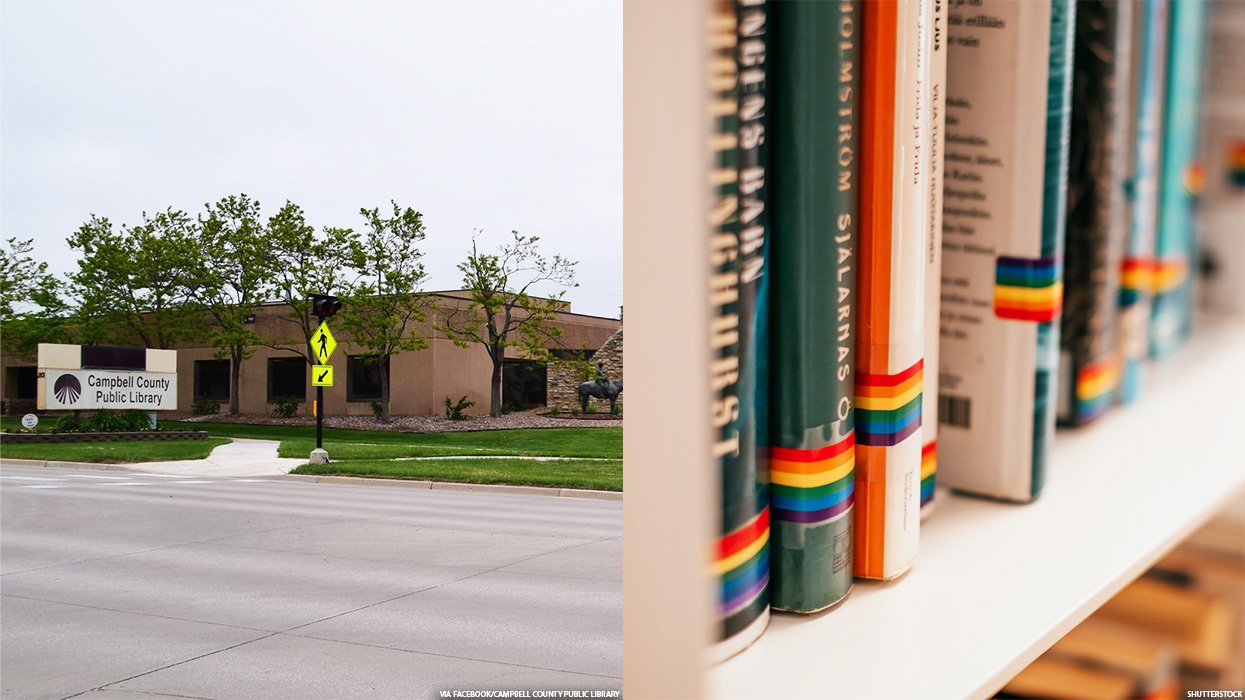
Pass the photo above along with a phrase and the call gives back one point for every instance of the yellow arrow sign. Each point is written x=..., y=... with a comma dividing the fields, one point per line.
x=322, y=375
x=323, y=344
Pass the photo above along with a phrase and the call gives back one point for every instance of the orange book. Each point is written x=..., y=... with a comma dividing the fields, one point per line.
x=894, y=226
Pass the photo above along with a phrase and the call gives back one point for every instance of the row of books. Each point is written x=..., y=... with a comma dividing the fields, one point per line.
x=907, y=283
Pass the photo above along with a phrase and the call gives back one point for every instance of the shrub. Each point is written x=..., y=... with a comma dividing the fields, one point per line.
x=67, y=423
x=574, y=411
x=456, y=410
x=592, y=408
x=376, y=408
x=555, y=411
x=284, y=408
x=134, y=421
x=116, y=422
x=103, y=422
x=203, y=407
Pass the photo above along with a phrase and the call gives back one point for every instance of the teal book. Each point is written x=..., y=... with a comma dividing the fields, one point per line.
x=1136, y=273
x=1171, y=317
x=738, y=247
x=814, y=78
x=1054, y=222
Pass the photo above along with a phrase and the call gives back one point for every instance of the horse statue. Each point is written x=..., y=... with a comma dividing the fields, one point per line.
x=601, y=389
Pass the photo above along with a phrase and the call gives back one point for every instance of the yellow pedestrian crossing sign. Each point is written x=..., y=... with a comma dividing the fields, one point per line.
x=323, y=344
x=322, y=375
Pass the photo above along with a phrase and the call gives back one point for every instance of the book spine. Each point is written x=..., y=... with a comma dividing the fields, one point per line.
x=1054, y=224
x=814, y=69
x=1001, y=274
x=1222, y=203
x=1097, y=213
x=894, y=189
x=937, y=47
x=1171, y=318
x=1136, y=274
x=736, y=75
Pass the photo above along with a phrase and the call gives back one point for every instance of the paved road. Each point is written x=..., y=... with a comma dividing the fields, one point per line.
x=120, y=585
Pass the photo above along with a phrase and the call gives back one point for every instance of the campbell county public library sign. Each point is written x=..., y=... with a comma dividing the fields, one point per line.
x=95, y=377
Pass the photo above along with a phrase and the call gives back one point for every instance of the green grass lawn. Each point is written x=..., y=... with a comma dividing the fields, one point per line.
x=605, y=475
x=378, y=453
x=119, y=452
x=298, y=441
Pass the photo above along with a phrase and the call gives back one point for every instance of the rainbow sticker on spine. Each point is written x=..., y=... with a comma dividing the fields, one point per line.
x=1136, y=281
x=1169, y=274
x=1027, y=289
x=1095, y=388
x=1235, y=159
x=888, y=407
x=929, y=470
x=742, y=567
x=812, y=486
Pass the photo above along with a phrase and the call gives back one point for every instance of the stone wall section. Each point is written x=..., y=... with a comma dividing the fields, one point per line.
x=563, y=376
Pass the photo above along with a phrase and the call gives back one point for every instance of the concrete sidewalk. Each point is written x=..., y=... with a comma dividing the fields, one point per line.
x=242, y=457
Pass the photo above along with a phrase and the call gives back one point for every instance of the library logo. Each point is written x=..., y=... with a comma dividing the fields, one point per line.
x=67, y=389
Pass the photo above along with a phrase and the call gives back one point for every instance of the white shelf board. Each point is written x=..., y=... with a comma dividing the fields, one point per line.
x=997, y=584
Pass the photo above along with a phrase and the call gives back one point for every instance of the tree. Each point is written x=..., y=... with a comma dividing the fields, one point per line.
x=133, y=284
x=32, y=305
x=302, y=263
x=385, y=304
x=502, y=312
x=228, y=278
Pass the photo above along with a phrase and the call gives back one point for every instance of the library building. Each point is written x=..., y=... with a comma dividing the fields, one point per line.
x=419, y=380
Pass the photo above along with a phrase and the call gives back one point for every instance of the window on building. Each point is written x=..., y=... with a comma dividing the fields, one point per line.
x=287, y=379
x=363, y=382
x=523, y=384
x=211, y=380
x=21, y=383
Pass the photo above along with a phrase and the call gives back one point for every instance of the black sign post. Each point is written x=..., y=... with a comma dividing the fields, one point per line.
x=319, y=418
x=323, y=307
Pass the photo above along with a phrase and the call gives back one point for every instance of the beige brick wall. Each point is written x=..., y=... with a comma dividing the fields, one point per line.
x=563, y=378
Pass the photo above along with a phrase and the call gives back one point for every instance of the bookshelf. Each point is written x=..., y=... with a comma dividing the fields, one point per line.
x=996, y=584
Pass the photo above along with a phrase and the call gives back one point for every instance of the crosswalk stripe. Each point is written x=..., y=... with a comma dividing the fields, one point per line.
x=93, y=476
x=45, y=486
x=29, y=478
x=129, y=483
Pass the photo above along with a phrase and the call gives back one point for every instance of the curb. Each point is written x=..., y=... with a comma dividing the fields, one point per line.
x=77, y=466
x=355, y=480
x=454, y=486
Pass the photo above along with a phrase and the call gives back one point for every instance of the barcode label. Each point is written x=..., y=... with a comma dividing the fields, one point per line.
x=955, y=410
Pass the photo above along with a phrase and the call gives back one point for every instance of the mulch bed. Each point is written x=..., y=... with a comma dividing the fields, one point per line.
x=584, y=417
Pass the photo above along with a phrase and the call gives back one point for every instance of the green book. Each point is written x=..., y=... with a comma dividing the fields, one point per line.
x=814, y=75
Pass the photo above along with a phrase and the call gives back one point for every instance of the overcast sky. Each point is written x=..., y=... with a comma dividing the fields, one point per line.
x=493, y=115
